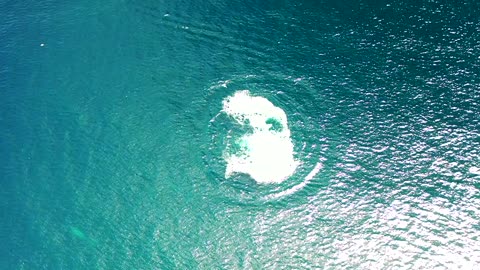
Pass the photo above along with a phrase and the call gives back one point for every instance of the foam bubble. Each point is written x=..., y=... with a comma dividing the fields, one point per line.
x=265, y=152
x=474, y=170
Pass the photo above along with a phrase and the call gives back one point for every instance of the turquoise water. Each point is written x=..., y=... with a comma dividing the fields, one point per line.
x=115, y=139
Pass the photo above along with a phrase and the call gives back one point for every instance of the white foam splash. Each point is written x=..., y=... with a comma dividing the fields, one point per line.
x=266, y=153
x=474, y=170
x=296, y=188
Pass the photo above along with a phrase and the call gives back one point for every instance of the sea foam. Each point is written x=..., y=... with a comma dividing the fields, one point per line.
x=266, y=152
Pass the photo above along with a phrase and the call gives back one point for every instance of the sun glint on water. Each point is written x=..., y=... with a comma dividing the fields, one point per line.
x=266, y=152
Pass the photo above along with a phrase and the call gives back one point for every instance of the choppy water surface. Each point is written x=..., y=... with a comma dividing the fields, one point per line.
x=240, y=135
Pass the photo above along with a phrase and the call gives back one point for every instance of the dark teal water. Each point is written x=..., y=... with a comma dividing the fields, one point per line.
x=111, y=160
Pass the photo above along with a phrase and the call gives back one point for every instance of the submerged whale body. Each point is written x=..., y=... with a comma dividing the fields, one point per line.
x=266, y=151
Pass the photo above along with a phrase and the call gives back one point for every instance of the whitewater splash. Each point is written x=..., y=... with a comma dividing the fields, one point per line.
x=265, y=152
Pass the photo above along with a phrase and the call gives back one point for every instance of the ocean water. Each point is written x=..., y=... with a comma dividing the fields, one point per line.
x=239, y=134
